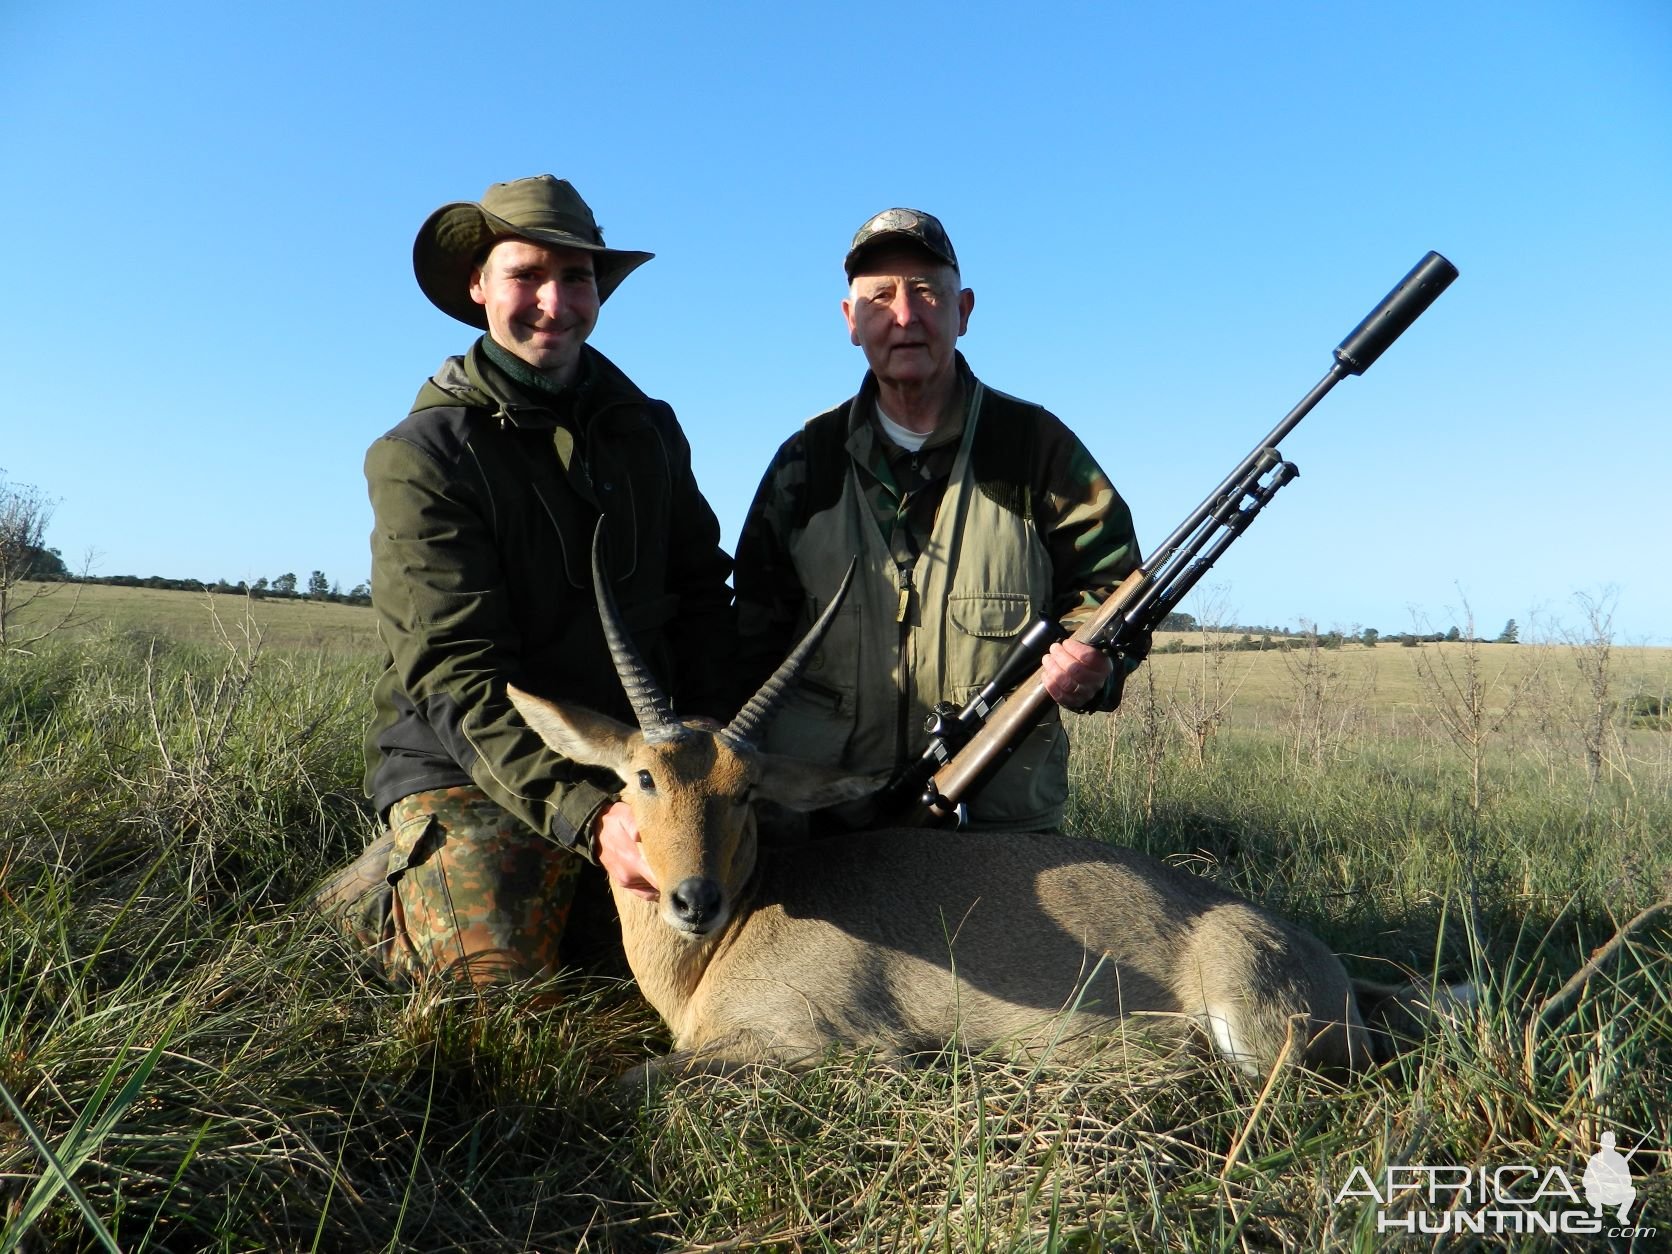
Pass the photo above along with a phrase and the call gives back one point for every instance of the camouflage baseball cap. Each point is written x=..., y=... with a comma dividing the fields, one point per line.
x=543, y=210
x=909, y=227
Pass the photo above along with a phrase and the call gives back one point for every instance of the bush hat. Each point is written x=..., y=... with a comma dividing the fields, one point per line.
x=910, y=227
x=542, y=210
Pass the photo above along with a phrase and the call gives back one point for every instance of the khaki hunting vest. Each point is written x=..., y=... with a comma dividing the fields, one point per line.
x=906, y=638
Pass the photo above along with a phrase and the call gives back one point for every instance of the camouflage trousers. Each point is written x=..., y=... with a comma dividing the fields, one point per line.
x=456, y=888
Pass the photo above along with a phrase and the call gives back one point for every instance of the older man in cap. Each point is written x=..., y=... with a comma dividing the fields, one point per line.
x=971, y=512
x=485, y=500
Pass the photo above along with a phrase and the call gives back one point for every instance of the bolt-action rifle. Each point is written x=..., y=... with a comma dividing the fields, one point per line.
x=966, y=746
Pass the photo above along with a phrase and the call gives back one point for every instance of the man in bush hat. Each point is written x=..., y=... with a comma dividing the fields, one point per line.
x=485, y=499
x=972, y=511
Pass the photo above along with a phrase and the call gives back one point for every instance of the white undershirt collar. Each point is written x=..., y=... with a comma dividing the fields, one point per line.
x=905, y=437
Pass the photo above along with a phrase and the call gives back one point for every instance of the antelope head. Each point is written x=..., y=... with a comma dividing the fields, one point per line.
x=692, y=787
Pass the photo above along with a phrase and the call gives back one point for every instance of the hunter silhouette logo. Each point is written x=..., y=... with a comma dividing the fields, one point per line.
x=1608, y=1180
x=1505, y=1198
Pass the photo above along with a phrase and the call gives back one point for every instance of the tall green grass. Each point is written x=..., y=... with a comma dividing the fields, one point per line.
x=193, y=1063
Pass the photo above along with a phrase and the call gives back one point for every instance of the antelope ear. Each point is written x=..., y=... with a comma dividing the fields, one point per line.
x=575, y=733
x=807, y=786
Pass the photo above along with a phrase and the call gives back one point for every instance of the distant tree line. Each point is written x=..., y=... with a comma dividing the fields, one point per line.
x=47, y=565
x=1257, y=639
x=281, y=588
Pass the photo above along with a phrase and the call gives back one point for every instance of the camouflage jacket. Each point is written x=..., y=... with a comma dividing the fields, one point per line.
x=484, y=502
x=1023, y=457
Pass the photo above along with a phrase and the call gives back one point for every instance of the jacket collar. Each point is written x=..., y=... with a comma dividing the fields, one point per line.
x=474, y=380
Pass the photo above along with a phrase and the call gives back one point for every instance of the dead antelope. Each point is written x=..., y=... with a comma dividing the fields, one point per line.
x=909, y=939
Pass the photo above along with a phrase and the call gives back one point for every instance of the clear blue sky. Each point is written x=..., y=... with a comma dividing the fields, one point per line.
x=1170, y=214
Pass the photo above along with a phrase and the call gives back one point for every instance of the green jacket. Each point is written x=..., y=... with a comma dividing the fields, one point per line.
x=484, y=501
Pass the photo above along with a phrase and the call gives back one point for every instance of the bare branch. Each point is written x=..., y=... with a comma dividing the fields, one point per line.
x=25, y=512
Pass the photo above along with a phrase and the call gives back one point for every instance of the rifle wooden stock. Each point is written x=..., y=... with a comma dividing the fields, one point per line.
x=1009, y=724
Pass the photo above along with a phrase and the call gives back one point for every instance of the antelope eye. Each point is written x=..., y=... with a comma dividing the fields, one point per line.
x=645, y=782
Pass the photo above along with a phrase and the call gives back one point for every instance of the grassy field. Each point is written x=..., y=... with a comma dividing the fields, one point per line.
x=1387, y=681
x=189, y=1062
x=201, y=617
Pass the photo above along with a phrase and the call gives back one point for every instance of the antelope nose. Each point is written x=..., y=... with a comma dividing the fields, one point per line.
x=696, y=901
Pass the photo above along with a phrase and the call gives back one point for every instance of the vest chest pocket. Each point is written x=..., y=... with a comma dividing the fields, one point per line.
x=982, y=630
x=990, y=615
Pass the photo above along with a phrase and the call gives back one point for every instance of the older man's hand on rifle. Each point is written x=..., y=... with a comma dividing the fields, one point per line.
x=1074, y=673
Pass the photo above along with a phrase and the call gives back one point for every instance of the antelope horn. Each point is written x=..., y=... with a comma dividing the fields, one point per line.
x=650, y=706
x=744, y=730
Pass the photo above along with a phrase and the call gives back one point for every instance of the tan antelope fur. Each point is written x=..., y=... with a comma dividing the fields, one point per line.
x=909, y=939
